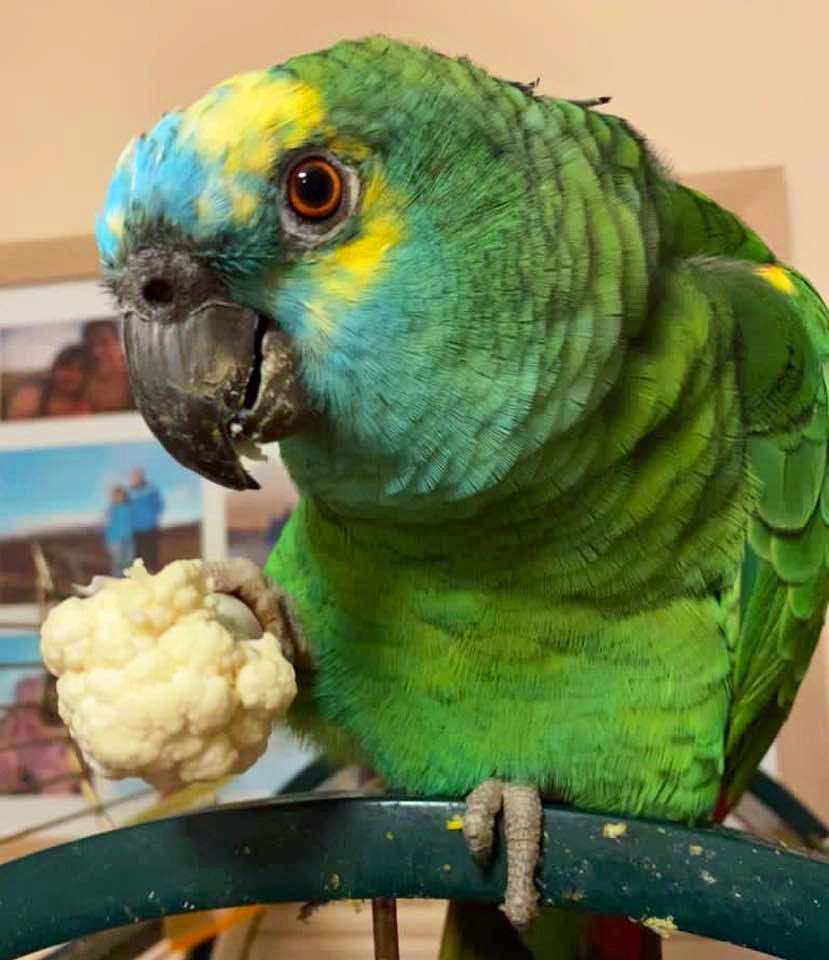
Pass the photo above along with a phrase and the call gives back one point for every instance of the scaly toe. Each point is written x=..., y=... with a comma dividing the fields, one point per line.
x=482, y=807
x=523, y=819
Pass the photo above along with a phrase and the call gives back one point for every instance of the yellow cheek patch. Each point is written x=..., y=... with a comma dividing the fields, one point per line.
x=778, y=277
x=115, y=223
x=349, y=147
x=244, y=206
x=205, y=208
x=346, y=273
x=349, y=270
x=252, y=117
x=213, y=205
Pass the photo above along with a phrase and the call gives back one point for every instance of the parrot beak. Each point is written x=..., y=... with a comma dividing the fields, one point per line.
x=212, y=378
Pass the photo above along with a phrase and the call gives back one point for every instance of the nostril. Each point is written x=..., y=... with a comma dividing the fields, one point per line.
x=158, y=290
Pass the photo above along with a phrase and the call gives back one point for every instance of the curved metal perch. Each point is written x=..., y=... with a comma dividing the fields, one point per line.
x=715, y=883
x=791, y=811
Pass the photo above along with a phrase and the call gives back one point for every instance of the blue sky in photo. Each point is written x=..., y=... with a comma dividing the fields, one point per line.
x=16, y=648
x=19, y=647
x=60, y=487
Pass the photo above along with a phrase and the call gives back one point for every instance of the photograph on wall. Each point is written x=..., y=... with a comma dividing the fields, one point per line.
x=68, y=513
x=66, y=369
x=35, y=753
x=255, y=518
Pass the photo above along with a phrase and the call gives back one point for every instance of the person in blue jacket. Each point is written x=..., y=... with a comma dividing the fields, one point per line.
x=118, y=532
x=147, y=506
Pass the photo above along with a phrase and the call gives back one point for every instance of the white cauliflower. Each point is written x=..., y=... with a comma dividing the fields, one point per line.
x=159, y=678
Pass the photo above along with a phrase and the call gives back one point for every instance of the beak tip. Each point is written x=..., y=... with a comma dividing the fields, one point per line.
x=230, y=476
x=190, y=379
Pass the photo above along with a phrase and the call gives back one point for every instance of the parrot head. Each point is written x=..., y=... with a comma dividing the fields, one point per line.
x=334, y=254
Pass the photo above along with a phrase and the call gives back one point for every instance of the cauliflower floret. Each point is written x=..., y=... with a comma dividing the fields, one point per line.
x=161, y=679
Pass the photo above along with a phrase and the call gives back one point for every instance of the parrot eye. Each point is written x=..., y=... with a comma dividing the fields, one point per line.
x=314, y=189
x=317, y=194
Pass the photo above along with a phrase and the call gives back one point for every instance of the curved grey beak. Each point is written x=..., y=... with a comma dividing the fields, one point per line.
x=208, y=375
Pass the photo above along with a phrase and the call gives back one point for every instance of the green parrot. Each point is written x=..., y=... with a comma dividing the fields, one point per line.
x=559, y=424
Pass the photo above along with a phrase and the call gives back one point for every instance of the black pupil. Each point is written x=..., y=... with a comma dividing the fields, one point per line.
x=314, y=186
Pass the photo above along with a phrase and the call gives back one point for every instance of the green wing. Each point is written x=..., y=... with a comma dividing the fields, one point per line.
x=773, y=616
x=784, y=585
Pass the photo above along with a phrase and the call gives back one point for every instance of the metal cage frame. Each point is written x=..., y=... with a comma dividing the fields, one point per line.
x=713, y=882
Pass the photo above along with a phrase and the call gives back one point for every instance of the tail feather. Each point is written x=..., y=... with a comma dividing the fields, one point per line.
x=480, y=931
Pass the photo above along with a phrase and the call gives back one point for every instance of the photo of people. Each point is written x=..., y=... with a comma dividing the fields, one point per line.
x=69, y=513
x=63, y=370
x=132, y=526
x=255, y=518
x=35, y=754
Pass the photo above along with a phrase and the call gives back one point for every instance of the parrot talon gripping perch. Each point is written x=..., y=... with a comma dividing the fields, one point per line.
x=521, y=806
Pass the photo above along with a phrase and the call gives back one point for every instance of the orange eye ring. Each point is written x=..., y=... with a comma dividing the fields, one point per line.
x=315, y=189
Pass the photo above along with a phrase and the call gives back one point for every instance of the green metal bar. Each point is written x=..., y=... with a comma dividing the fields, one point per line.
x=785, y=805
x=715, y=883
x=309, y=777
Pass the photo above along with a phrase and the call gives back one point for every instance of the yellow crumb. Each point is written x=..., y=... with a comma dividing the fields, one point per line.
x=695, y=850
x=613, y=831
x=664, y=926
x=456, y=823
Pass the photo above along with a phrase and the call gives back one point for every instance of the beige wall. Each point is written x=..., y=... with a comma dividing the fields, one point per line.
x=715, y=83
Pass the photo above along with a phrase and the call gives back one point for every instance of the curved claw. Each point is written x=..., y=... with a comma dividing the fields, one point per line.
x=243, y=579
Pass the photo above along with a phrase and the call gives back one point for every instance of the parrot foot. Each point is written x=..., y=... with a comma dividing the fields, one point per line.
x=241, y=578
x=523, y=817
